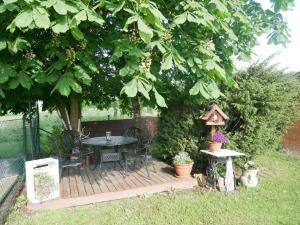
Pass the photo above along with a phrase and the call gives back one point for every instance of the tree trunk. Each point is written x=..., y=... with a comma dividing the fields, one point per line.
x=71, y=114
x=136, y=108
x=75, y=113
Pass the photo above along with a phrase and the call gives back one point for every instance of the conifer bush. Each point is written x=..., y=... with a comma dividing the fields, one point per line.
x=261, y=110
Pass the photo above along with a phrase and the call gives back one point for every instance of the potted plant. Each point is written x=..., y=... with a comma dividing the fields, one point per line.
x=183, y=165
x=249, y=176
x=217, y=140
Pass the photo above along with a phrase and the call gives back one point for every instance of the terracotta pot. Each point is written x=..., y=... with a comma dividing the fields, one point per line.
x=88, y=160
x=214, y=146
x=183, y=170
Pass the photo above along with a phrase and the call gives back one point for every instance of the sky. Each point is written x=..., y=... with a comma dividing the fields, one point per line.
x=288, y=57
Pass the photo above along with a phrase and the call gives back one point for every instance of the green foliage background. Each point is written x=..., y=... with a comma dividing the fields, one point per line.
x=261, y=110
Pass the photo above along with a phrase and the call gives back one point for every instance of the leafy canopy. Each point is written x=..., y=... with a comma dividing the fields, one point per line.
x=139, y=47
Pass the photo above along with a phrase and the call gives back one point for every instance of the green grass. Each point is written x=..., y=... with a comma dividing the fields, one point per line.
x=274, y=201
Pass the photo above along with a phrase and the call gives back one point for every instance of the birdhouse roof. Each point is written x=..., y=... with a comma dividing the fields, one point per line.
x=211, y=110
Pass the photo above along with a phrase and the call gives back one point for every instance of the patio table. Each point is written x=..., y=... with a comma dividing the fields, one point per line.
x=100, y=142
x=218, y=157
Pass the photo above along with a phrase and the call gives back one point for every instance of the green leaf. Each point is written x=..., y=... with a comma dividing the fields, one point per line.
x=94, y=17
x=118, y=8
x=41, y=18
x=195, y=89
x=41, y=78
x=48, y=3
x=159, y=99
x=142, y=89
x=130, y=88
x=72, y=8
x=214, y=90
x=64, y=85
x=24, y=80
x=150, y=76
x=61, y=25
x=129, y=21
x=145, y=31
x=124, y=71
x=19, y=44
x=82, y=75
x=219, y=5
x=204, y=91
x=6, y=2
x=4, y=76
x=13, y=83
x=24, y=19
x=180, y=19
x=6, y=71
x=77, y=34
x=2, y=45
x=167, y=62
x=81, y=16
x=2, y=93
x=60, y=7
x=76, y=87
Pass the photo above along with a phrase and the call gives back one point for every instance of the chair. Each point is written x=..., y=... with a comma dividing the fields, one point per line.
x=142, y=155
x=134, y=132
x=72, y=142
x=65, y=160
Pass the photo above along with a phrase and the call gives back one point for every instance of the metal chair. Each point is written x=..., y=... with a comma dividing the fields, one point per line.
x=142, y=156
x=63, y=158
x=72, y=142
x=134, y=132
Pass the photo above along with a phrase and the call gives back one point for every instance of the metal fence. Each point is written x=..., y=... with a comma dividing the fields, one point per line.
x=18, y=142
x=12, y=158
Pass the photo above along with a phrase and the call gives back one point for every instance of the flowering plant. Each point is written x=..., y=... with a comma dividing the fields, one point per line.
x=219, y=137
x=182, y=158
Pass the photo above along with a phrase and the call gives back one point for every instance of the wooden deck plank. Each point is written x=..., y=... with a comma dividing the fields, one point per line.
x=101, y=173
x=135, y=181
x=113, y=180
x=120, y=179
x=79, y=182
x=93, y=181
x=100, y=181
x=86, y=182
x=73, y=185
x=65, y=185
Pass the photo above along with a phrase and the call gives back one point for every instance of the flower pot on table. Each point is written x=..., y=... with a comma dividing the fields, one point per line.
x=214, y=146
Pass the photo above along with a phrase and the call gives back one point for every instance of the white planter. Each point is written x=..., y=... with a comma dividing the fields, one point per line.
x=42, y=180
x=249, y=178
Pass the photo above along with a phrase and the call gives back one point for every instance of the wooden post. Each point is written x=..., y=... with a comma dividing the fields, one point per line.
x=212, y=131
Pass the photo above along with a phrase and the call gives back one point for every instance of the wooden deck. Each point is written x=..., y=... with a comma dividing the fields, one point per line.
x=80, y=186
x=83, y=181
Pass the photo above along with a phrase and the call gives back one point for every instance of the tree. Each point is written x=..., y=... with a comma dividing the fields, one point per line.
x=67, y=51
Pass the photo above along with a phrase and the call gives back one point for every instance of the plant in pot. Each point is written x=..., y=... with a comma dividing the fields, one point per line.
x=249, y=176
x=217, y=140
x=183, y=165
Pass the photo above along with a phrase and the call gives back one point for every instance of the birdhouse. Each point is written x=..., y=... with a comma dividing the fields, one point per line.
x=214, y=116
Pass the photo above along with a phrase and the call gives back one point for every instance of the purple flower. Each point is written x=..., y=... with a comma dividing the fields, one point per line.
x=219, y=137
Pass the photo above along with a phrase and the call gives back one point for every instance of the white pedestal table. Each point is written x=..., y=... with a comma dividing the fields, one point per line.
x=217, y=157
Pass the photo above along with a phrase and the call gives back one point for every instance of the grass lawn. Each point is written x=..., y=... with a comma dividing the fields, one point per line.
x=275, y=201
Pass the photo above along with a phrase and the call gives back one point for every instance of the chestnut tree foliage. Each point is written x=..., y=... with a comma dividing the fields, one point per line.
x=100, y=50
